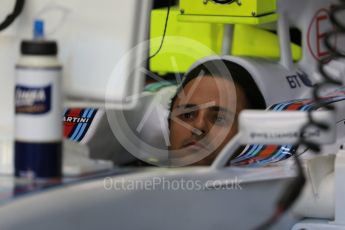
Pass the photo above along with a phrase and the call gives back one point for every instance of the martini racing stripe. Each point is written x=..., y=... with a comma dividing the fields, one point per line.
x=254, y=151
x=79, y=126
x=69, y=127
x=77, y=123
x=260, y=155
x=86, y=126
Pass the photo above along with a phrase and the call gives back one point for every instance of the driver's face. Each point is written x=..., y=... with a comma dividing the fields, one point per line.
x=204, y=117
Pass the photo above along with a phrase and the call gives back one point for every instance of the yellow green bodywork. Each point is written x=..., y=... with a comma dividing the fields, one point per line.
x=202, y=39
x=255, y=42
x=246, y=8
x=204, y=34
x=229, y=19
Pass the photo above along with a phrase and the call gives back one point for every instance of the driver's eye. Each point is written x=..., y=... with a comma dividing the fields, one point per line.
x=187, y=116
x=221, y=118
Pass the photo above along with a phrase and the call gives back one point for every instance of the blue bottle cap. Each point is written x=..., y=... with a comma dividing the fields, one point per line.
x=38, y=29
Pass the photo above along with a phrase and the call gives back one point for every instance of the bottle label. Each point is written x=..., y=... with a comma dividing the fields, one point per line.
x=38, y=105
x=33, y=100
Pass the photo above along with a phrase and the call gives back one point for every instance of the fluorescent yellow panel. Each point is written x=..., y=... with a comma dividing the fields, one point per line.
x=229, y=20
x=256, y=42
x=190, y=42
x=187, y=42
x=248, y=8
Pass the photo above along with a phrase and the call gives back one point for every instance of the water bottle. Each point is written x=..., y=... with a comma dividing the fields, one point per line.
x=38, y=109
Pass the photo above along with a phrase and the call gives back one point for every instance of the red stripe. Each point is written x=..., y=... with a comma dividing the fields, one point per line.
x=69, y=126
x=267, y=152
x=74, y=112
x=294, y=106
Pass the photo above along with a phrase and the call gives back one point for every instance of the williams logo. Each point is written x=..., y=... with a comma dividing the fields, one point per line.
x=33, y=100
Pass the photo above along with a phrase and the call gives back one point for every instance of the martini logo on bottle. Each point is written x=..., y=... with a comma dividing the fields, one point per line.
x=30, y=100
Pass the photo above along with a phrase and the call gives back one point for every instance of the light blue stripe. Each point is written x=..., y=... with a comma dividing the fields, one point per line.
x=306, y=107
x=277, y=106
x=250, y=149
x=285, y=104
x=244, y=156
x=285, y=153
x=84, y=125
x=76, y=132
x=249, y=154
